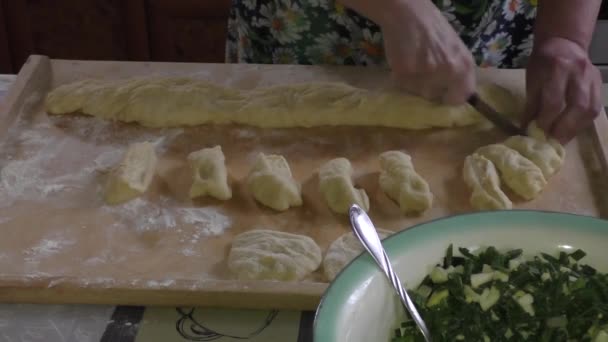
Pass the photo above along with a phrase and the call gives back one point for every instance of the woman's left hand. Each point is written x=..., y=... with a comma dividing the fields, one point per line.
x=563, y=88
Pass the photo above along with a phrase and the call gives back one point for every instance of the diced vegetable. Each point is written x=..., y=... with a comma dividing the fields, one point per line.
x=481, y=278
x=470, y=294
x=437, y=297
x=424, y=291
x=439, y=275
x=498, y=275
x=488, y=298
x=493, y=296
x=557, y=322
x=525, y=300
x=602, y=336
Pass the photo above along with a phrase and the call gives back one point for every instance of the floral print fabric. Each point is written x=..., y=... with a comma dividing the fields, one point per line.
x=498, y=32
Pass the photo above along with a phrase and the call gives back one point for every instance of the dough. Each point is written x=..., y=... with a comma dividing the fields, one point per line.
x=271, y=183
x=132, y=176
x=400, y=181
x=209, y=173
x=273, y=255
x=336, y=185
x=540, y=152
x=519, y=173
x=535, y=132
x=481, y=176
x=342, y=251
x=174, y=101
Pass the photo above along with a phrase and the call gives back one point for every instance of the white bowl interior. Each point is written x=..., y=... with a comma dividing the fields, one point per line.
x=366, y=309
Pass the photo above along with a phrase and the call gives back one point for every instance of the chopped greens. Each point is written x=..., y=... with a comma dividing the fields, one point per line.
x=494, y=296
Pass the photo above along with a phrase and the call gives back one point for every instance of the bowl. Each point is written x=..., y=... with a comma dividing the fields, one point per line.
x=360, y=306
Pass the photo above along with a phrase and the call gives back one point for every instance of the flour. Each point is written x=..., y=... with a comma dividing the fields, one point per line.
x=144, y=216
x=246, y=133
x=167, y=136
x=208, y=221
x=35, y=137
x=104, y=257
x=47, y=247
x=94, y=261
x=188, y=251
x=107, y=159
x=30, y=170
x=33, y=178
x=24, y=179
x=159, y=284
x=95, y=128
x=60, y=161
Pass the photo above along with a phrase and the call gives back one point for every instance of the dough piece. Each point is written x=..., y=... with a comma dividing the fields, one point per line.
x=170, y=102
x=209, y=173
x=272, y=184
x=342, y=251
x=336, y=185
x=519, y=173
x=400, y=181
x=535, y=132
x=132, y=176
x=273, y=255
x=481, y=176
x=540, y=152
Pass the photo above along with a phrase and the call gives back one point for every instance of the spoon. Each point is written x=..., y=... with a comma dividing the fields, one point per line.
x=366, y=232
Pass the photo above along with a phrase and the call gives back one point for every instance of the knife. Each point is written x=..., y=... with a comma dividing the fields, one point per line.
x=496, y=118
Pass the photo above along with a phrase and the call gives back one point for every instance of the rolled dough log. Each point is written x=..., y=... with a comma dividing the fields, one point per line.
x=169, y=102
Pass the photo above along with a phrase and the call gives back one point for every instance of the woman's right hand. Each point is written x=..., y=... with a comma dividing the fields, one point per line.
x=426, y=55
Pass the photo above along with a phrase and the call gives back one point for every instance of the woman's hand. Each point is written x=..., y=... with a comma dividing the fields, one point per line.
x=563, y=88
x=426, y=55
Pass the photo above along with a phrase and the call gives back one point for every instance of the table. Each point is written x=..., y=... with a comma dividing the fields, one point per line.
x=91, y=323
x=94, y=323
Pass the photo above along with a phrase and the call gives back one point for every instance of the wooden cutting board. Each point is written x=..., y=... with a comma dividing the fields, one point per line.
x=61, y=244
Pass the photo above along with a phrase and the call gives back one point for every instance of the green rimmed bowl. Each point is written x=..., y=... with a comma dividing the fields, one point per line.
x=360, y=306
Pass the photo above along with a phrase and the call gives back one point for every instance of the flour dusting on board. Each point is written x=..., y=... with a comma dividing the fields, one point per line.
x=208, y=221
x=144, y=215
x=160, y=284
x=47, y=247
x=29, y=158
x=61, y=158
x=28, y=174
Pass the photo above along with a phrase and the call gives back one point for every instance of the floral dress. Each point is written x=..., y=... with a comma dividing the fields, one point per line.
x=498, y=32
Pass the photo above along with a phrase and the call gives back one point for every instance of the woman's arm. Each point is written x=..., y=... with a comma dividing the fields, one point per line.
x=426, y=55
x=573, y=20
x=563, y=86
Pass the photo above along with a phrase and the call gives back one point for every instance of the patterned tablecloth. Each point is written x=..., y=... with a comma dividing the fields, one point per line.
x=92, y=323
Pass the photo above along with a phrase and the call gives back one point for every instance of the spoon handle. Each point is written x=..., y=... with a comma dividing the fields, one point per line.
x=366, y=233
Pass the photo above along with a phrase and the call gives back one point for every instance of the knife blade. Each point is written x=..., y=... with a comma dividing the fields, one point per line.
x=496, y=118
